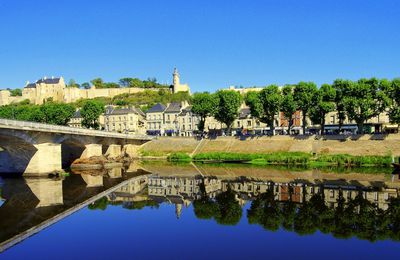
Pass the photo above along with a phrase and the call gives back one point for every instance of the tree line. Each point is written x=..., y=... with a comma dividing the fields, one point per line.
x=122, y=83
x=358, y=100
x=90, y=109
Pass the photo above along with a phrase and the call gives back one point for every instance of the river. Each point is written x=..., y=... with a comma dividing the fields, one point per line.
x=156, y=210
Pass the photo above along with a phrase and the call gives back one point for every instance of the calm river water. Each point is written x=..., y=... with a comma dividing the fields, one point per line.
x=154, y=211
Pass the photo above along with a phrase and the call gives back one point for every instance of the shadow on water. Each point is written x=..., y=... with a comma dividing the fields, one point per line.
x=344, y=202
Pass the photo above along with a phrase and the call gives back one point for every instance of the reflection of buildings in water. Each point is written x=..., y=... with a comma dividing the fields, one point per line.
x=131, y=191
x=114, y=173
x=189, y=188
x=178, y=190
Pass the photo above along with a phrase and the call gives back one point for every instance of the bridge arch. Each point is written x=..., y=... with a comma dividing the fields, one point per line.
x=71, y=149
x=16, y=153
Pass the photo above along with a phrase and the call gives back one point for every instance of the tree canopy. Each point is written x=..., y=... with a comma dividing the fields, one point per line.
x=303, y=96
x=228, y=104
x=90, y=112
x=365, y=99
x=203, y=105
x=265, y=104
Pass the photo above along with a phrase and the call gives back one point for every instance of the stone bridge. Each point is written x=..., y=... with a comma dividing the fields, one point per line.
x=36, y=149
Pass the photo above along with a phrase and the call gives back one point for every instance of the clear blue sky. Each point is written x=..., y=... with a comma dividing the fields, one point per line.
x=213, y=43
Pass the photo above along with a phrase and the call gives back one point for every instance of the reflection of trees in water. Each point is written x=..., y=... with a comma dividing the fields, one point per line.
x=225, y=209
x=99, y=204
x=356, y=217
x=103, y=202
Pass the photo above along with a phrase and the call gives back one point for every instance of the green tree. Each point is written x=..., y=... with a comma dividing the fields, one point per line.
x=303, y=95
x=394, y=94
x=72, y=84
x=341, y=87
x=90, y=112
x=365, y=99
x=57, y=113
x=110, y=85
x=203, y=105
x=85, y=85
x=125, y=82
x=289, y=105
x=15, y=92
x=98, y=82
x=227, y=109
x=323, y=103
x=265, y=105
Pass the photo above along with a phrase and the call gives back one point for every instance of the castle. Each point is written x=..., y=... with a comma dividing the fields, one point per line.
x=56, y=90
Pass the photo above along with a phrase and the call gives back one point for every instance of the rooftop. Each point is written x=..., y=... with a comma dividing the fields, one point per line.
x=157, y=108
x=173, y=108
x=124, y=111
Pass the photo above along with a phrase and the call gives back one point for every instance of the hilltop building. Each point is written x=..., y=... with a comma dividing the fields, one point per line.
x=176, y=85
x=55, y=89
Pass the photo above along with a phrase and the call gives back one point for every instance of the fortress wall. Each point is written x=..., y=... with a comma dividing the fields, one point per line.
x=64, y=94
x=364, y=145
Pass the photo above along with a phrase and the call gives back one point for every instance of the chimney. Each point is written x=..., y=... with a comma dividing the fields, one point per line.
x=27, y=82
x=45, y=77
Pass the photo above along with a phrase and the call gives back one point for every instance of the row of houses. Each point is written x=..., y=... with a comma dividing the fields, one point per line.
x=178, y=119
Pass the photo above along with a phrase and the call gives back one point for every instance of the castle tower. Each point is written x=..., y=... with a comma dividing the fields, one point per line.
x=175, y=80
x=178, y=210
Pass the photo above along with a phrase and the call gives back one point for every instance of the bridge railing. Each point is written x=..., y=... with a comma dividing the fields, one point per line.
x=17, y=124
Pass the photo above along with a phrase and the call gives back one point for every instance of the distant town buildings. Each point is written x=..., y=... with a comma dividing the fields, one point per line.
x=55, y=89
x=125, y=120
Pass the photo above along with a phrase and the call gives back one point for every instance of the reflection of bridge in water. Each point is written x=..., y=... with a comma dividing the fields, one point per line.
x=30, y=205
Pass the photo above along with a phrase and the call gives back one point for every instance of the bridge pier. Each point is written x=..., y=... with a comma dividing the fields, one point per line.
x=92, y=150
x=131, y=150
x=46, y=159
x=113, y=151
x=49, y=192
x=93, y=180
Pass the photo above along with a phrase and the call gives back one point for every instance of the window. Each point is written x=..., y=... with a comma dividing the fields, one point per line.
x=168, y=117
x=238, y=123
x=332, y=119
x=331, y=194
x=248, y=122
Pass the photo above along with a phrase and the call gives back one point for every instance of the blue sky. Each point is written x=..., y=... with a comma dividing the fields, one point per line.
x=213, y=43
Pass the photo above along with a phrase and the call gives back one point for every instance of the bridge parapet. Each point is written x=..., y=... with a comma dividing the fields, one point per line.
x=33, y=126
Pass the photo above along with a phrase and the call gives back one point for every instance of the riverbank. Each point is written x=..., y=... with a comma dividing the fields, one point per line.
x=286, y=158
x=342, y=151
x=357, y=145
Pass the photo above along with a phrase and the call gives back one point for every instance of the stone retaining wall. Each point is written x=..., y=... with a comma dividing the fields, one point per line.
x=353, y=145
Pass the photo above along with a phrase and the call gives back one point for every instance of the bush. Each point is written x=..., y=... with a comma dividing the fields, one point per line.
x=179, y=157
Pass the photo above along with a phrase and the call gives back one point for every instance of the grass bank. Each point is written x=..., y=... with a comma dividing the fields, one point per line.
x=288, y=158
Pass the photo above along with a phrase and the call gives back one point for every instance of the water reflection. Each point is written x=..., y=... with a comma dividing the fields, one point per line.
x=345, y=205
x=31, y=204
